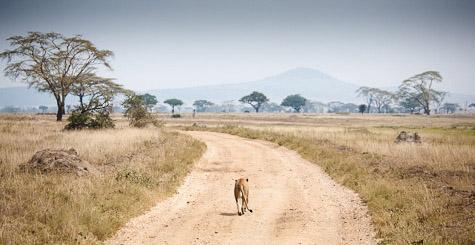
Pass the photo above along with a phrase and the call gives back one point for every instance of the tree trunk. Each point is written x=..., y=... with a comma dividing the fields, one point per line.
x=427, y=111
x=60, y=113
x=173, y=110
x=59, y=116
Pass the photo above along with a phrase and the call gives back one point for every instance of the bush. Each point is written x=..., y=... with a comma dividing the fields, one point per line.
x=176, y=115
x=137, y=113
x=84, y=120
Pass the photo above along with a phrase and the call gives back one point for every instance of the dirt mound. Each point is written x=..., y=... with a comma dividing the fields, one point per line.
x=408, y=137
x=63, y=161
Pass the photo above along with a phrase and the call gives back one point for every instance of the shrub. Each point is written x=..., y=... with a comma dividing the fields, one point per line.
x=176, y=115
x=137, y=113
x=89, y=120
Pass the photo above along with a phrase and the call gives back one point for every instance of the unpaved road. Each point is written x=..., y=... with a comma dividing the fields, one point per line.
x=293, y=200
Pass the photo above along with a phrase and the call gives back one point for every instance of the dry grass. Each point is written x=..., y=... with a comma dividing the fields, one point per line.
x=327, y=119
x=415, y=193
x=138, y=168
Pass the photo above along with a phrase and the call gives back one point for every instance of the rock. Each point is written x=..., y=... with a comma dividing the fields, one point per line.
x=408, y=137
x=59, y=161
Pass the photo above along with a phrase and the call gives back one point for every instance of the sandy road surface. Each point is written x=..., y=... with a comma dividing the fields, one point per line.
x=294, y=202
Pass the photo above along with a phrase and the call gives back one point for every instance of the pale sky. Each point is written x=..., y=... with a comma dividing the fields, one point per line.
x=169, y=44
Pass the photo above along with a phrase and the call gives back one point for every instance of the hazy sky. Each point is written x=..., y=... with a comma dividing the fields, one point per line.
x=166, y=44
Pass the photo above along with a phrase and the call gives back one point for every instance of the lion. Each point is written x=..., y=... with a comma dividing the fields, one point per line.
x=241, y=191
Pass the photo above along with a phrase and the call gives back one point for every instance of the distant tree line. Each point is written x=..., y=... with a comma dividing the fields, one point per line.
x=66, y=66
x=415, y=94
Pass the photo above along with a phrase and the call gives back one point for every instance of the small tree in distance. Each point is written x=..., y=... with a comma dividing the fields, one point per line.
x=362, y=108
x=295, y=101
x=255, y=99
x=173, y=103
x=43, y=108
x=410, y=104
x=149, y=100
x=419, y=88
x=367, y=93
x=201, y=105
x=137, y=113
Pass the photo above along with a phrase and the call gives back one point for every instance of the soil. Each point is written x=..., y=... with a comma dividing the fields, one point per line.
x=293, y=200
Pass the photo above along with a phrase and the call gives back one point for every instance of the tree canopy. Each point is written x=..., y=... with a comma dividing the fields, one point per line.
x=95, y=93
x=375, y=96
x=368, y=94
x=43, y=108
x=53, y=63
x=173, y=103
x=450, y=107
x=410, y=104
x=202, y=104
x=149, y=100
x=295, y=101
x=362, y=108
x=255, y=99
x=419, y=88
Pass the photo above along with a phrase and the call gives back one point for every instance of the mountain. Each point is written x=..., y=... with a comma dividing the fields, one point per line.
x=310, y=83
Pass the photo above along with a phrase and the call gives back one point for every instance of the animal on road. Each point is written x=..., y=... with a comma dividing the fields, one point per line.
x=241, y=191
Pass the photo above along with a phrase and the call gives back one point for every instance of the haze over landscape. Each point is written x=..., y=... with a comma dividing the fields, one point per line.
x=236, y=122
x=311, y=83
x=175, y=44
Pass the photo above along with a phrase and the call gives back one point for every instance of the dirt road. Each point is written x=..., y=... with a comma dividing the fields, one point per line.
x=293, y=200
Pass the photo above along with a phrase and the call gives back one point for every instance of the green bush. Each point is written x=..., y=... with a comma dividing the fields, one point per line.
x=88, y=120
x=176, y=115
x=137, y=113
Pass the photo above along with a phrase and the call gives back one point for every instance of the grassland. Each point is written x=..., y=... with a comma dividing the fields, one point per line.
x=138, y=168
x=416, y=193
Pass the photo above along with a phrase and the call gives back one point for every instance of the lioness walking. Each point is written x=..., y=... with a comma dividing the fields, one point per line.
x=241, y=191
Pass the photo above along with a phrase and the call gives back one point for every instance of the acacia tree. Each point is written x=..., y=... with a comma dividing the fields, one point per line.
x=367, y=93
x=149, y=100
x=201, y=105
x=410, y=104
x=136, y=111
x=95, y=93
x=173, y=103
x=255, y=99
x=43, y=108
x=51, y=62
x=382, y=98
x=419, y=88
x=334, y=106
x=295, y=101
x=450, y=107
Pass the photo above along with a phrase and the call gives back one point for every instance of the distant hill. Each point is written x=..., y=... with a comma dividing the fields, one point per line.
x=310, y=83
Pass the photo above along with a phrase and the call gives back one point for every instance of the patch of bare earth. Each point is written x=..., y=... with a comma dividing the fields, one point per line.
x=294, y=202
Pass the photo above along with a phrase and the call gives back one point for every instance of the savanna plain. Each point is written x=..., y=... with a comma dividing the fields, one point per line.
x=416, y=193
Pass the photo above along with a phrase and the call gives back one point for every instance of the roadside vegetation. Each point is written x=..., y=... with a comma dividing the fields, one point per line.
x=137, y=168
x=416, y=193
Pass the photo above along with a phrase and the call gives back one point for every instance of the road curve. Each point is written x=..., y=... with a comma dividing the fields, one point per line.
x=293, y=200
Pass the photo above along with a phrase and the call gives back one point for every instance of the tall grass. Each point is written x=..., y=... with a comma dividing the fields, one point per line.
x=415, y=193
x=138, y=168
